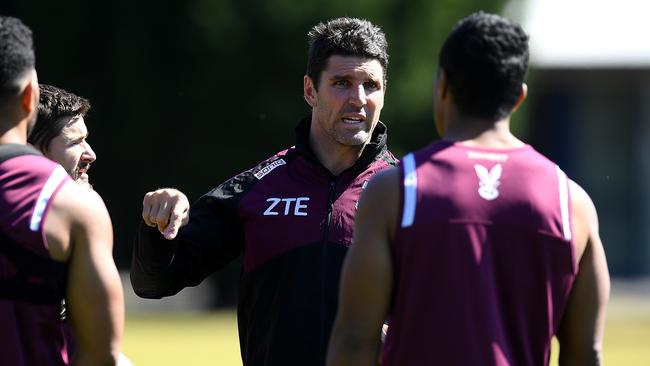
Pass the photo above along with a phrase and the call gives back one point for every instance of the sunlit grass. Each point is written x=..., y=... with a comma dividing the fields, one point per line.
x=198, y=339
x=182, y=339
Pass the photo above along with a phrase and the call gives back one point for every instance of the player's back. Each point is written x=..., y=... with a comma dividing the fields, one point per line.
x=483, y=257
x=32, y=285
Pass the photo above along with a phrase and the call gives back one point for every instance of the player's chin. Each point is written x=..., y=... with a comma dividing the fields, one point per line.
x=356, y=139
x=83, y=180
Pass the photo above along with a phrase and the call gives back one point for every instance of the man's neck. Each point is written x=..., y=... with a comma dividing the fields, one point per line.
x=334, y=156
x=13, y=134
x=480, y=132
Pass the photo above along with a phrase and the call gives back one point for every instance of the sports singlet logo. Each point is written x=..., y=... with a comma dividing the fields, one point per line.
x=488, y=181
x=298, y=203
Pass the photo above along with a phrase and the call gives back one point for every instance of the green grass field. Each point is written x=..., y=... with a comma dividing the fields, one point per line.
x=211, y=338
x=182, y=339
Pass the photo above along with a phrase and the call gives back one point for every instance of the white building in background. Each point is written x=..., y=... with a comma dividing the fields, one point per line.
x=589, y=109
x=587, y=33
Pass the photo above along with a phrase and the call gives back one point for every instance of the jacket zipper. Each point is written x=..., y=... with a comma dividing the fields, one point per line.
x=330, y=203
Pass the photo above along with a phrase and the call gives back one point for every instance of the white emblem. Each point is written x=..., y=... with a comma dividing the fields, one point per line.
x=488, y=181
x=299, y=205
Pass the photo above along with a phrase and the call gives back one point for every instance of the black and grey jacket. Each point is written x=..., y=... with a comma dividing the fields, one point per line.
x=292, y=220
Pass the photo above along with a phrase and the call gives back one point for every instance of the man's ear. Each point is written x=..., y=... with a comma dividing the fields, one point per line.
x=442, y=85
x=29, y=96
x=522, y=96
x=309, y=91
x=441, y=101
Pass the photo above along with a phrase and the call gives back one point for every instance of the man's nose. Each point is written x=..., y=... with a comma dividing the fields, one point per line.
x=358, y=96
x=88, y=154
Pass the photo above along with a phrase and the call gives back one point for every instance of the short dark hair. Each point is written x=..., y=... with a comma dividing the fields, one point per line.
x=16, y=54
x=485, y=59
x=345, y=37
x=55, y=109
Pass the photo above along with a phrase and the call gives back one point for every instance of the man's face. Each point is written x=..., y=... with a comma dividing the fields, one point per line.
x=72, y=151
x=348, y=101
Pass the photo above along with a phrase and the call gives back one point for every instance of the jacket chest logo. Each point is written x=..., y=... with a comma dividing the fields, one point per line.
x=291, y=206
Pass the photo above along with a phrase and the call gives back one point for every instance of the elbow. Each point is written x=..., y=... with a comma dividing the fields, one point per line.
x=145, y=287
x=148, y=293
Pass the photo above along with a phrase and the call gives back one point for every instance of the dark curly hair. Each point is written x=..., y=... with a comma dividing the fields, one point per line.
x=16, y=54
x=55, y=109
x=345, y=37
x=485, y=59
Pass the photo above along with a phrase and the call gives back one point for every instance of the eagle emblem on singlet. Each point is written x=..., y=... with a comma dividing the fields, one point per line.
x=488, y=181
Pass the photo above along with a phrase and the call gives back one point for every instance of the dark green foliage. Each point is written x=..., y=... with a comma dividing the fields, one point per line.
x=188, y=93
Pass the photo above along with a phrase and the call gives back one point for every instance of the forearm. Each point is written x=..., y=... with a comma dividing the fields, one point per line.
x=151, y=270
x=96, y=304
x=349, y=352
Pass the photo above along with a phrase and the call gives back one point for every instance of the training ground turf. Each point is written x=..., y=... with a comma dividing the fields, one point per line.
x=171, y=339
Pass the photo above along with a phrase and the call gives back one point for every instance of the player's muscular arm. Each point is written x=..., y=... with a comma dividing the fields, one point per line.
x=366, y=282
x=582, y=327
x=78, y=228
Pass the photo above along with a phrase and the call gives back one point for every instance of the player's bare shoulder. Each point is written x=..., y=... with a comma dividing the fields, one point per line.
x=585, y=218
x=76, y=214
x=382, y=189
x=381, y=198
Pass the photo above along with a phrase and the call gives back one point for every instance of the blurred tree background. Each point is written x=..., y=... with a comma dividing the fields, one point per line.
x=188, y=93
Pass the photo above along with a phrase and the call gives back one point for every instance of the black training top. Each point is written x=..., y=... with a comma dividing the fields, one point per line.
x=292, y=220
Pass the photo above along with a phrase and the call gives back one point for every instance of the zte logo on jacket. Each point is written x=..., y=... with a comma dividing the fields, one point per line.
x=287, y=206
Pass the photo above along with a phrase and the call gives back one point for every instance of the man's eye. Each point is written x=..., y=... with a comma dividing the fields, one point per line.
x=341, y=83
x=371, y=85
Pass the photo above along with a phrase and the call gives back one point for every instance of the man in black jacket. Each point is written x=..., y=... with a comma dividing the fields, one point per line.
x=291, y=216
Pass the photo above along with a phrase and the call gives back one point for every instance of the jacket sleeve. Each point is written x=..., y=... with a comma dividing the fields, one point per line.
x=212, y=238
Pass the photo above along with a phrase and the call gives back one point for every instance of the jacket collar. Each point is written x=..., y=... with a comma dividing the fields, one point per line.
x=371, y=151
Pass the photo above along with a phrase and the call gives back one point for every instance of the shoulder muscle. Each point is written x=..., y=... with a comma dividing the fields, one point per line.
x=76, y=214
